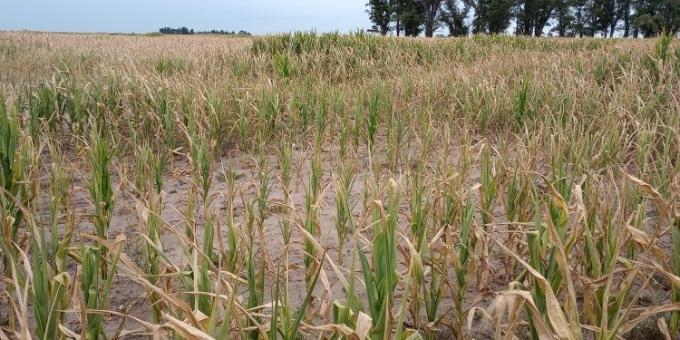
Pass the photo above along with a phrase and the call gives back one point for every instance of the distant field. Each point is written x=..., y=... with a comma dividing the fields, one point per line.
x=328, y=186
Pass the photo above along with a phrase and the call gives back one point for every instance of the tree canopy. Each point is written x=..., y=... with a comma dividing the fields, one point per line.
x=188, y=31
x=527, y=17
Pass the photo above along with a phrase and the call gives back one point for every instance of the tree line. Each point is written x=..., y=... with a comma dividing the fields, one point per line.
x=564, y=18
x=187, y=31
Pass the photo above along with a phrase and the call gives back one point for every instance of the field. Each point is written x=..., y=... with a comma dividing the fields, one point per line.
x=338, y=186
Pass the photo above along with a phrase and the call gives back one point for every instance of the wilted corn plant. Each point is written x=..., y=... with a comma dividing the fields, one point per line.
x=596, y=239
x=15, y=161
x=375, y=102
x=15, y=192
x=285, y=166
x=60, y=202
x=311, y=220
x=98, y=262
x=606, y=304
x=50, y=282
x=201, y=159
x=42, y=108
x=344, y=224
x=380, y=274
x=396, y=129
x=49, y=286
x=149, y=186
x=101, y=188
x=461, y=263
x=675, y=318
x=418, y=227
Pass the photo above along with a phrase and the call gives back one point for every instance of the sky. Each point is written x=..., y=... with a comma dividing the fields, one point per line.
x=142, y=16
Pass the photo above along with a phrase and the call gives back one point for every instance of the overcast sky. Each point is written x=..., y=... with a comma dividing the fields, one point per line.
x=141, y=16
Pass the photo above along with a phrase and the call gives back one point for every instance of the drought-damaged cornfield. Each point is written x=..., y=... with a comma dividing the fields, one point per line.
x=338, y=186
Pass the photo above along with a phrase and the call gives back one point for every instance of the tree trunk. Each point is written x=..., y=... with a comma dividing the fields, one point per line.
x=429, y=29
x=626, y=20
x=540, y=25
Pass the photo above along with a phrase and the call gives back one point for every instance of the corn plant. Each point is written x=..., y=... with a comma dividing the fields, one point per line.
x=344, y=224
x=59, y=202
x=149, y=184
x=371, y=121
x=202, y=161
x=461, y=263
x=75, y=108
x=675, y=318
x=255, y=270
x=42, y=107
x=285, y=320
x=311, y=221
x=321, y=118
x=396, y=129
x=95, y=287
x=214, y=108
x=489, y=186
x=233, y=258
x=50, y=282
x=344, y=139
x=264, y=188
x=268, y=110
x=285, y=164
x=304, y=107
x=15, y=164
x=167, y=114
x=548, y=255
x=545, y=196
x=101, y=188
x=201, y=158
x=14, y=161
x=381, y=277
x=282, y=66
x=521, y=102
x=49, y=289
x=518, y=209
x=418, y=206
x=603, y=243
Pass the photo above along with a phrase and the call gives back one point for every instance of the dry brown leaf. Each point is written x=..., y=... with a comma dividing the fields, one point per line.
x=663, y=327
x=563, y=265
x=647, y=313
x=69, y=333
x=653, y=193
x=522, y=298
x=364, y=325
x=554, y=309
x=184, y=329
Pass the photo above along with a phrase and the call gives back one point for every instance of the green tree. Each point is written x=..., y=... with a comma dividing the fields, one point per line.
x=605, y=16
x=453, y=15
x=431, y=18
x=491, y=16
x=624, y=7
x=380, y=14
x=563, y=16
x=533, y=16
x=583, y=18
x=410, y=16
x=654, y=16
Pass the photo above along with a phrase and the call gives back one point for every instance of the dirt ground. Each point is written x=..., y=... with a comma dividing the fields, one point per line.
x=129, y=297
